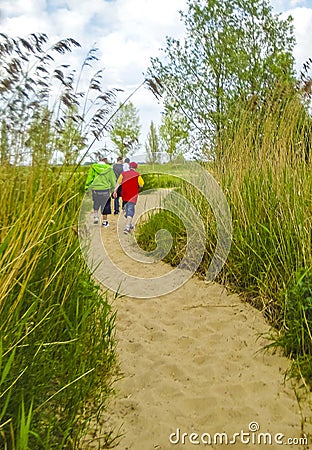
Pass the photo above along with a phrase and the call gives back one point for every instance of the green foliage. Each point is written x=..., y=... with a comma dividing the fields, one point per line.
x=152, y=145
x=296, y=332
x=43, y=108
x=57, y=348
x=70, y=141
x=125, y=129
x=173, y=133
x=158, y=180
x=40, y=137
x=4, y=150
x=267, y=180
x=232, y=51
x=147, y=231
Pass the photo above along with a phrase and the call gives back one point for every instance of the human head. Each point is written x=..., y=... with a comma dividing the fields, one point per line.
x=119, y=159
x=103, y=159
x=127, y=160
x=133, y=165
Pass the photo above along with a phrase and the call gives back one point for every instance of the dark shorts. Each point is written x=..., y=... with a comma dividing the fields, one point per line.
x=102, y=199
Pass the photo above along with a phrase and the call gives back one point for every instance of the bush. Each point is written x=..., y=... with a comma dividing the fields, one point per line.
x=296, y=329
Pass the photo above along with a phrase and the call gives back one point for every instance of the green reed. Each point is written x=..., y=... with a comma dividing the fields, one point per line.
x=57, y=345
x=265, y=172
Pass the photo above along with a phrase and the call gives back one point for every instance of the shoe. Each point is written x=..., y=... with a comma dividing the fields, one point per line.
x=105, y=224
x=96, y=220
x=116, y=213
x=132, y=227
x=127, y=230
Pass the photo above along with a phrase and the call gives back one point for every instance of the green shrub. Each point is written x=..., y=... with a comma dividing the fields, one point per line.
x=296, y=328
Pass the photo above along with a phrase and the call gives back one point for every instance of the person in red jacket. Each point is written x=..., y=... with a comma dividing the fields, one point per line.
x=130, y=182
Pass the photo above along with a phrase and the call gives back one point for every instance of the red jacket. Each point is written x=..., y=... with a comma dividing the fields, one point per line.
x=130, y=181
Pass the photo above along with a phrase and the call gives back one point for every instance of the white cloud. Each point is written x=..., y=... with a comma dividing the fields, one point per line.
x=22, y=7
x=148, y=18
x=127, y=32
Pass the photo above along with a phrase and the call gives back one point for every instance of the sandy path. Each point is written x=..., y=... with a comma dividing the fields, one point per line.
x=191, y=361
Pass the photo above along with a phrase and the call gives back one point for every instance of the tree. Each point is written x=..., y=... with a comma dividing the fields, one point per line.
x=40, y=138
x=69, y=140
x=126, y=129
x=232, y=50
x=173, y=133
x=152, y=144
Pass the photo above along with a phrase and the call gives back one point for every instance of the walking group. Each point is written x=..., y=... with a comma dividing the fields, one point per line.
x=122, y=182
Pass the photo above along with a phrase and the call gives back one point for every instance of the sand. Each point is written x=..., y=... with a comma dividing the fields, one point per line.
x=193, y=364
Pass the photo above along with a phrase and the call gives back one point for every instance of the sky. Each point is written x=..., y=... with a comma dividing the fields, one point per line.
x=127, y=34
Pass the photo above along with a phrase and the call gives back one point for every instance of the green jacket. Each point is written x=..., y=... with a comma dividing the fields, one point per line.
x=100, y=177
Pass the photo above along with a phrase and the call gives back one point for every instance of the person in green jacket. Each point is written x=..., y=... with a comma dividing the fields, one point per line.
x=101, y=180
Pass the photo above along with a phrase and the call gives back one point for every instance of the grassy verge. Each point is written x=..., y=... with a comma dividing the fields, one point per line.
x=270, y=262
x=57, y=347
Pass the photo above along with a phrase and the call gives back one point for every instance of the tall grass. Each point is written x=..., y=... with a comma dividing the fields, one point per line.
x=265, y=173
x=269, y=180
x=57, y=347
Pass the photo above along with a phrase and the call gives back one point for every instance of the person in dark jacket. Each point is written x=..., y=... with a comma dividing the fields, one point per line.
x=118, y=169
